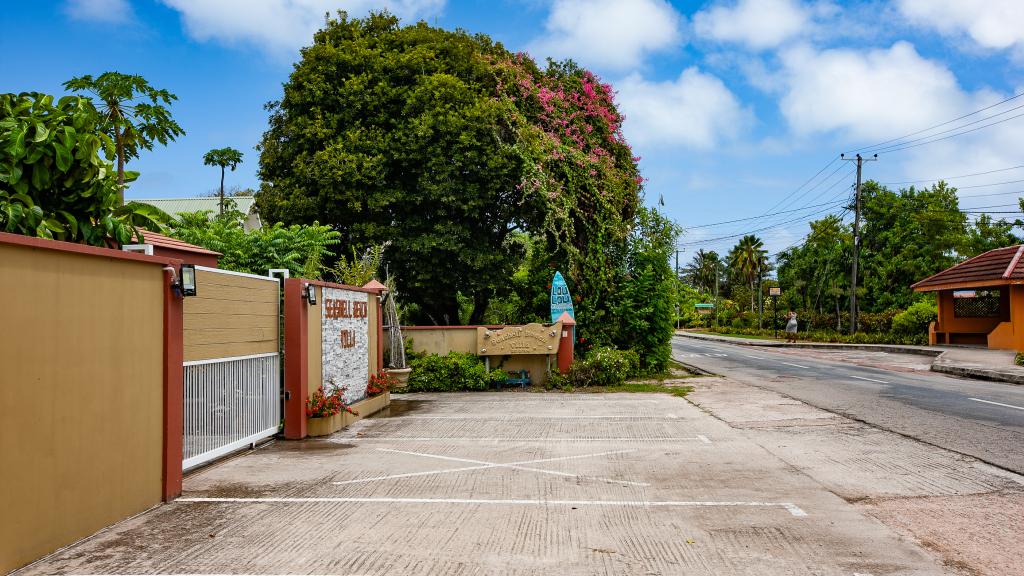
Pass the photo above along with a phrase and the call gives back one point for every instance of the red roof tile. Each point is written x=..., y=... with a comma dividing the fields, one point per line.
x=173, y=243
x=998, y=266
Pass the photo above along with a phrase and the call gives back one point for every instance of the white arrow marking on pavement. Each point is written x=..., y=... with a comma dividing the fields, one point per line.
x=997, y=403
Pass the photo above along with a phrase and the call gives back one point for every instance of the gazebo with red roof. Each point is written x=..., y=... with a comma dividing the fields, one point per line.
x=981, y=301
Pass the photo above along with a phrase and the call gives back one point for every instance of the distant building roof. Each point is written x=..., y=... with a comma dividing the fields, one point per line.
x=995, y=267
x=175, y=206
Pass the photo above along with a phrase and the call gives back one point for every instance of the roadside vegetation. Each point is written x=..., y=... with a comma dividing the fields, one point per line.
x=907, y=235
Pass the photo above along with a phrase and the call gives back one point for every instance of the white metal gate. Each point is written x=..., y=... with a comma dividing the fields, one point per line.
x=231, y=401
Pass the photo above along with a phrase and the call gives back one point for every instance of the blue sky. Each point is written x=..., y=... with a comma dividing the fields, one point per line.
x=732, y=104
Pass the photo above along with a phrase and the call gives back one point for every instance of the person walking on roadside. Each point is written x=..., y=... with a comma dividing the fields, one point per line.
x=791, y=326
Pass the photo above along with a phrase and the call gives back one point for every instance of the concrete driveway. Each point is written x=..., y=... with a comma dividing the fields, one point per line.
x=507, y=483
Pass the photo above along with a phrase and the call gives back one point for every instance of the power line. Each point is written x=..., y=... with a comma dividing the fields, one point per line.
x=951, y=177
x=809, y=180
x=830, y=203
x=775, y=225
x=890, y=150
x=1014, y=97
x=962, y=126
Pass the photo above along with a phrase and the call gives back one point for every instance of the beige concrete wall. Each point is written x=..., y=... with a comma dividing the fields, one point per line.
x=81, y=396
x=442, y=340
x=230, y=316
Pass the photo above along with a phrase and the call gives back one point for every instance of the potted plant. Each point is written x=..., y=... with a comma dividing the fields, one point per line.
x=396, y=366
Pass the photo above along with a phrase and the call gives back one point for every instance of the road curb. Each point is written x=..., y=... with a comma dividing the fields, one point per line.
x=976, y=373
x=938, y=365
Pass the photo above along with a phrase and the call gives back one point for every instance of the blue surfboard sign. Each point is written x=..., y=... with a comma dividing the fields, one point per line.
x=561, y=300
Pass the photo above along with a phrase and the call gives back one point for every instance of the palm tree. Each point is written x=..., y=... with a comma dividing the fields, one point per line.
x=749, y=258
x=225, y=158
x=701, y=271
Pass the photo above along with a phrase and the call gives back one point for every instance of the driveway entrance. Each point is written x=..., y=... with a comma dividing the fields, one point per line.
x=506, y=483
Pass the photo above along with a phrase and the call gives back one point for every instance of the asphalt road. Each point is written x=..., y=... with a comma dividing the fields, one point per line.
x=977, y=418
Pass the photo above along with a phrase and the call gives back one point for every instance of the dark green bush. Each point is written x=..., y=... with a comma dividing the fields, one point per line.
x=452, y=373
x=602, y=367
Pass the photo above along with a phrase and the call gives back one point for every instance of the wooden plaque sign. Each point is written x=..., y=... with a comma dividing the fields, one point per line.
x=514, y=340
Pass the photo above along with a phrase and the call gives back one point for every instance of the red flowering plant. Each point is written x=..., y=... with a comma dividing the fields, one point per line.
x=324, y=405
x=380, y=383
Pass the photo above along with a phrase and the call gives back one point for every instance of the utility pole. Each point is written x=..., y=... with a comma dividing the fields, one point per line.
x=760, y=297
x=716, y=294
x=856, y=239
x=677, y=288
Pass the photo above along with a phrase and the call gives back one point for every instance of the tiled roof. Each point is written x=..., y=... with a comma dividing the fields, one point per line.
x=159, y=240
x=998, y=266
x=175, y=206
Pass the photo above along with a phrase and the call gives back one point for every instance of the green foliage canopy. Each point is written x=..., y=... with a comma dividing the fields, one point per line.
x=55, y=177
x=302, y=249
x=449, y=146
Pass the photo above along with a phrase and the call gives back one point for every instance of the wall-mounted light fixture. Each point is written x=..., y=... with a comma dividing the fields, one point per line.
x=188, y=279
x=311, y=294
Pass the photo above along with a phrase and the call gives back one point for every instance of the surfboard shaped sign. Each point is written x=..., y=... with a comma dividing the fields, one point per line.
x=561, y=300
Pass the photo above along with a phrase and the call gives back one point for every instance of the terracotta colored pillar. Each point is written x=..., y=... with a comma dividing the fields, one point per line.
x=174, y=386
x=379, y=289
x=566, y=343
x=296, y=351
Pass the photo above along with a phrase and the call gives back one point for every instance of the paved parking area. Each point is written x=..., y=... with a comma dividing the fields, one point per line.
x=507, y=483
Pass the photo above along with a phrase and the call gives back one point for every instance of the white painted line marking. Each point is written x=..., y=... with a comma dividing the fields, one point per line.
x=869, y=379
x=703, y=439
x=788, y=506
x=754, y=357
x=997, y=403
x=797, y=365
x=483, y=464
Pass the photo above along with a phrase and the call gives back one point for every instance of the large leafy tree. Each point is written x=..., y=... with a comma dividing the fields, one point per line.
x=908, y=235
x=749, y=259
x=987, y=233
x=449, y=146
x=224, y=158
x=135, y=114
x=56, y=179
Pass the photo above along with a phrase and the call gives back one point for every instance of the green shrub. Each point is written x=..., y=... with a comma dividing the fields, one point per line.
x=1019, y=359
x=452, y=373
x=915, y=319
x=602, y=367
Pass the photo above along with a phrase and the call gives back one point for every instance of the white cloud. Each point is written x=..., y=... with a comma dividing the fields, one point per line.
x=696, y=110
x=855, y=98
x=870, y=95
x=106, y=11
x=280, y=25
x=995, y=24
x=758, y=24
x=609, y=34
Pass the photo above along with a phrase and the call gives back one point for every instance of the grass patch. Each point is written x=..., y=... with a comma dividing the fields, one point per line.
x=650, y=387
x=747, y=336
